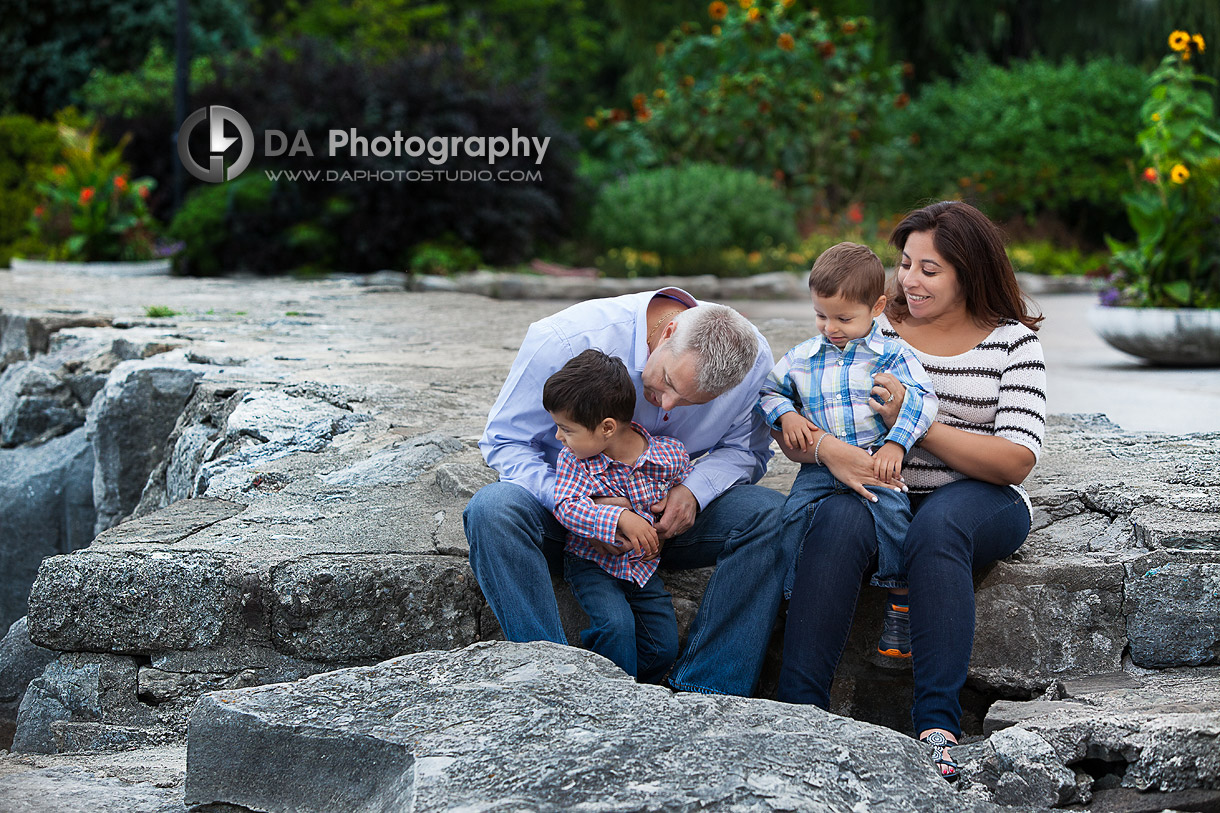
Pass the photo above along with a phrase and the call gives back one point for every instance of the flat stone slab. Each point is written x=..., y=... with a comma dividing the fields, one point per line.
x=539, y=727
x=141, y=781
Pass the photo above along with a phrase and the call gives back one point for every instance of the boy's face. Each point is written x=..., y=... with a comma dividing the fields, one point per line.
x=840, y=320
x=582, y=441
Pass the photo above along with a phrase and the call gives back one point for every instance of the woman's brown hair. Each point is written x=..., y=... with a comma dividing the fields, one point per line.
x=974, y=246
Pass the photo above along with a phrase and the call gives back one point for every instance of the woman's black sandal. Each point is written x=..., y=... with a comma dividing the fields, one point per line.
x=939, y=743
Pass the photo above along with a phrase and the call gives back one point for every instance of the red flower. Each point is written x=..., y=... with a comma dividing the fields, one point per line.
x=902, y=101
x=826, y=49
x=39, y=211
x=144, y=192
x=120, y=183
x=855, y=214
x=1150, y=175
x=86, y=195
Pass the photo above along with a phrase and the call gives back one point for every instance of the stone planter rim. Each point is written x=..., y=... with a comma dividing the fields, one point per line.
x=141, y=268
x=1185, y=337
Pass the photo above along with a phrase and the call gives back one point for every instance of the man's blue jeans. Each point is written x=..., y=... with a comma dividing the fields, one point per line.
x=630, y=624
x=891, y=518
x=513, y=538
x=956, y=529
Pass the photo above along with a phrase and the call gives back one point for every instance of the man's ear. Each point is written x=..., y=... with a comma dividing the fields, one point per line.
x=879, y=306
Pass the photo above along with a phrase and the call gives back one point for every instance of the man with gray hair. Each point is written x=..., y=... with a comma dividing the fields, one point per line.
x=697, y=368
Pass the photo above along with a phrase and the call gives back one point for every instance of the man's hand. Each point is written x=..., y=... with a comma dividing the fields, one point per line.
x=887, y=462
x=637, y=534
x=677, y=512
x=799, y=433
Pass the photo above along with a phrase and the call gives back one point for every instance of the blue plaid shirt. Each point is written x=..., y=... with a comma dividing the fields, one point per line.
x=831, y=388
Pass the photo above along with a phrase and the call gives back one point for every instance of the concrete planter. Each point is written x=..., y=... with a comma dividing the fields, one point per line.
x=100, y=269
x=1183, y=337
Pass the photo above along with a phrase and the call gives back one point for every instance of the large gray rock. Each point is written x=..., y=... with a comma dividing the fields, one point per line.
x=538, y=727
x=1149, y=731
x=128, y=424
x=1173, y=612
x=21, y=660
x=34, y=404
x=80, y=689
x=46, y=508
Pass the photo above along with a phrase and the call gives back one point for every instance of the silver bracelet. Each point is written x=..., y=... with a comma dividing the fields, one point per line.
x=817, y=446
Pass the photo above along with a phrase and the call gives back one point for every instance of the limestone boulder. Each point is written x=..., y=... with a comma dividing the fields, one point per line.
x=128, y=424
x=540, y=727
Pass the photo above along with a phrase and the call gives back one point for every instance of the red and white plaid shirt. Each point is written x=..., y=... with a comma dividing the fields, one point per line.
x=663, y=465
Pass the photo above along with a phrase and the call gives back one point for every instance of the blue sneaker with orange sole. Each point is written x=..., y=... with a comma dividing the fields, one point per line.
x=896, y=629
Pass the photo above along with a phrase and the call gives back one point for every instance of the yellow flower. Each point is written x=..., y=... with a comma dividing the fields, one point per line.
x=717, y=10
x=1179, y=40
x=659, y=93
x=1198, y=41
x=787, y=3
x=1179, y=173
x=785, y=42
x=745, y=3
x=591, y=122
x=715, y=31
x=754, y=14
x=1156, y=116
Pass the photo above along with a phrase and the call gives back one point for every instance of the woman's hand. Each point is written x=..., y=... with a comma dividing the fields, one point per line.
x=850, y=465
x=891, y=392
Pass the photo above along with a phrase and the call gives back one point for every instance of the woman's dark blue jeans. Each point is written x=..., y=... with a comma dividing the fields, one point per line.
x=960, y=527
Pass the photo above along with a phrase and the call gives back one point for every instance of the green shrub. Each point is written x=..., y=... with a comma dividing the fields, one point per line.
x=503, y=211
x=1030, y=139
x=49, y=47
x=28, y=150
x=1046, y=258
x=687, y=215
x=443, y=258
x=145, y=90
x=792, y=95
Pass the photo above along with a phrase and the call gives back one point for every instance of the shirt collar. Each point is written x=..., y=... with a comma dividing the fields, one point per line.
x=874, y=340
x=601, y=462
x=641, y=321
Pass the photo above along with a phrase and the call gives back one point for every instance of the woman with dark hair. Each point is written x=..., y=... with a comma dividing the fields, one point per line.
x=956, y=302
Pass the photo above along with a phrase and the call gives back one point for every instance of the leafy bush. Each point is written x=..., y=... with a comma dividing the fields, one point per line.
x=28, y=150
x=798, y=97
x=1175, y=208
x=1046, y=258
x=148, y=88
x=89, y=208
x=49, y=47
x=365, y=225
x=687, y=215
x=1025, y=140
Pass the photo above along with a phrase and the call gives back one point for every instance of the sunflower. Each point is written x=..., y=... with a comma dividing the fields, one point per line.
x=717, y=10
x=1179, y=40
x=1197, y=39
x=1179, y=173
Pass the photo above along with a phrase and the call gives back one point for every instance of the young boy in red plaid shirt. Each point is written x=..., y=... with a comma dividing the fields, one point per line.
x=610, y=557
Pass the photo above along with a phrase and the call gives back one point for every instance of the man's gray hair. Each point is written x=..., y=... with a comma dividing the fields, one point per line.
x=724, y=340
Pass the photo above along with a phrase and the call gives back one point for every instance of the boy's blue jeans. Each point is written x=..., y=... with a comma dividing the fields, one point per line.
x=631, y=625
x=513, y=538
x=891, y=518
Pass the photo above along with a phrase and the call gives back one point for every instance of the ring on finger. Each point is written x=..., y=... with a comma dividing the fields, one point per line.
x=891, y=398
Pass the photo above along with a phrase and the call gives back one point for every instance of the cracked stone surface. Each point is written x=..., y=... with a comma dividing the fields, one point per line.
x=539, y=727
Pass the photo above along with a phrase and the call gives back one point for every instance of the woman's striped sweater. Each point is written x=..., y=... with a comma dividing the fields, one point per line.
x=996, y=388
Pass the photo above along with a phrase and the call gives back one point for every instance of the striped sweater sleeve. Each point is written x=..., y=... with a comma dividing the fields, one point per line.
x=1021, y=411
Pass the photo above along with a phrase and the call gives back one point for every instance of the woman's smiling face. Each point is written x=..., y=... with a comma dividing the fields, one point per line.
x=927, y=280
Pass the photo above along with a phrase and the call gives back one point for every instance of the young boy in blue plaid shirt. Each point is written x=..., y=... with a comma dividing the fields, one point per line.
x=825, y=383
x=610, y=556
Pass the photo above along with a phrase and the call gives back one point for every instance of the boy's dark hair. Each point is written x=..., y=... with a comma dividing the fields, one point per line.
x=590, y=388
x=849, y=270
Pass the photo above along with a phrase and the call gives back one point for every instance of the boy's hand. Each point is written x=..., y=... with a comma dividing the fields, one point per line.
x=799, y=433
x=636, y=534
x=887, y=462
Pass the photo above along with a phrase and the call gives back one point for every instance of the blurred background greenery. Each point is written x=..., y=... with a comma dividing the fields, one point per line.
x=686, y=137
